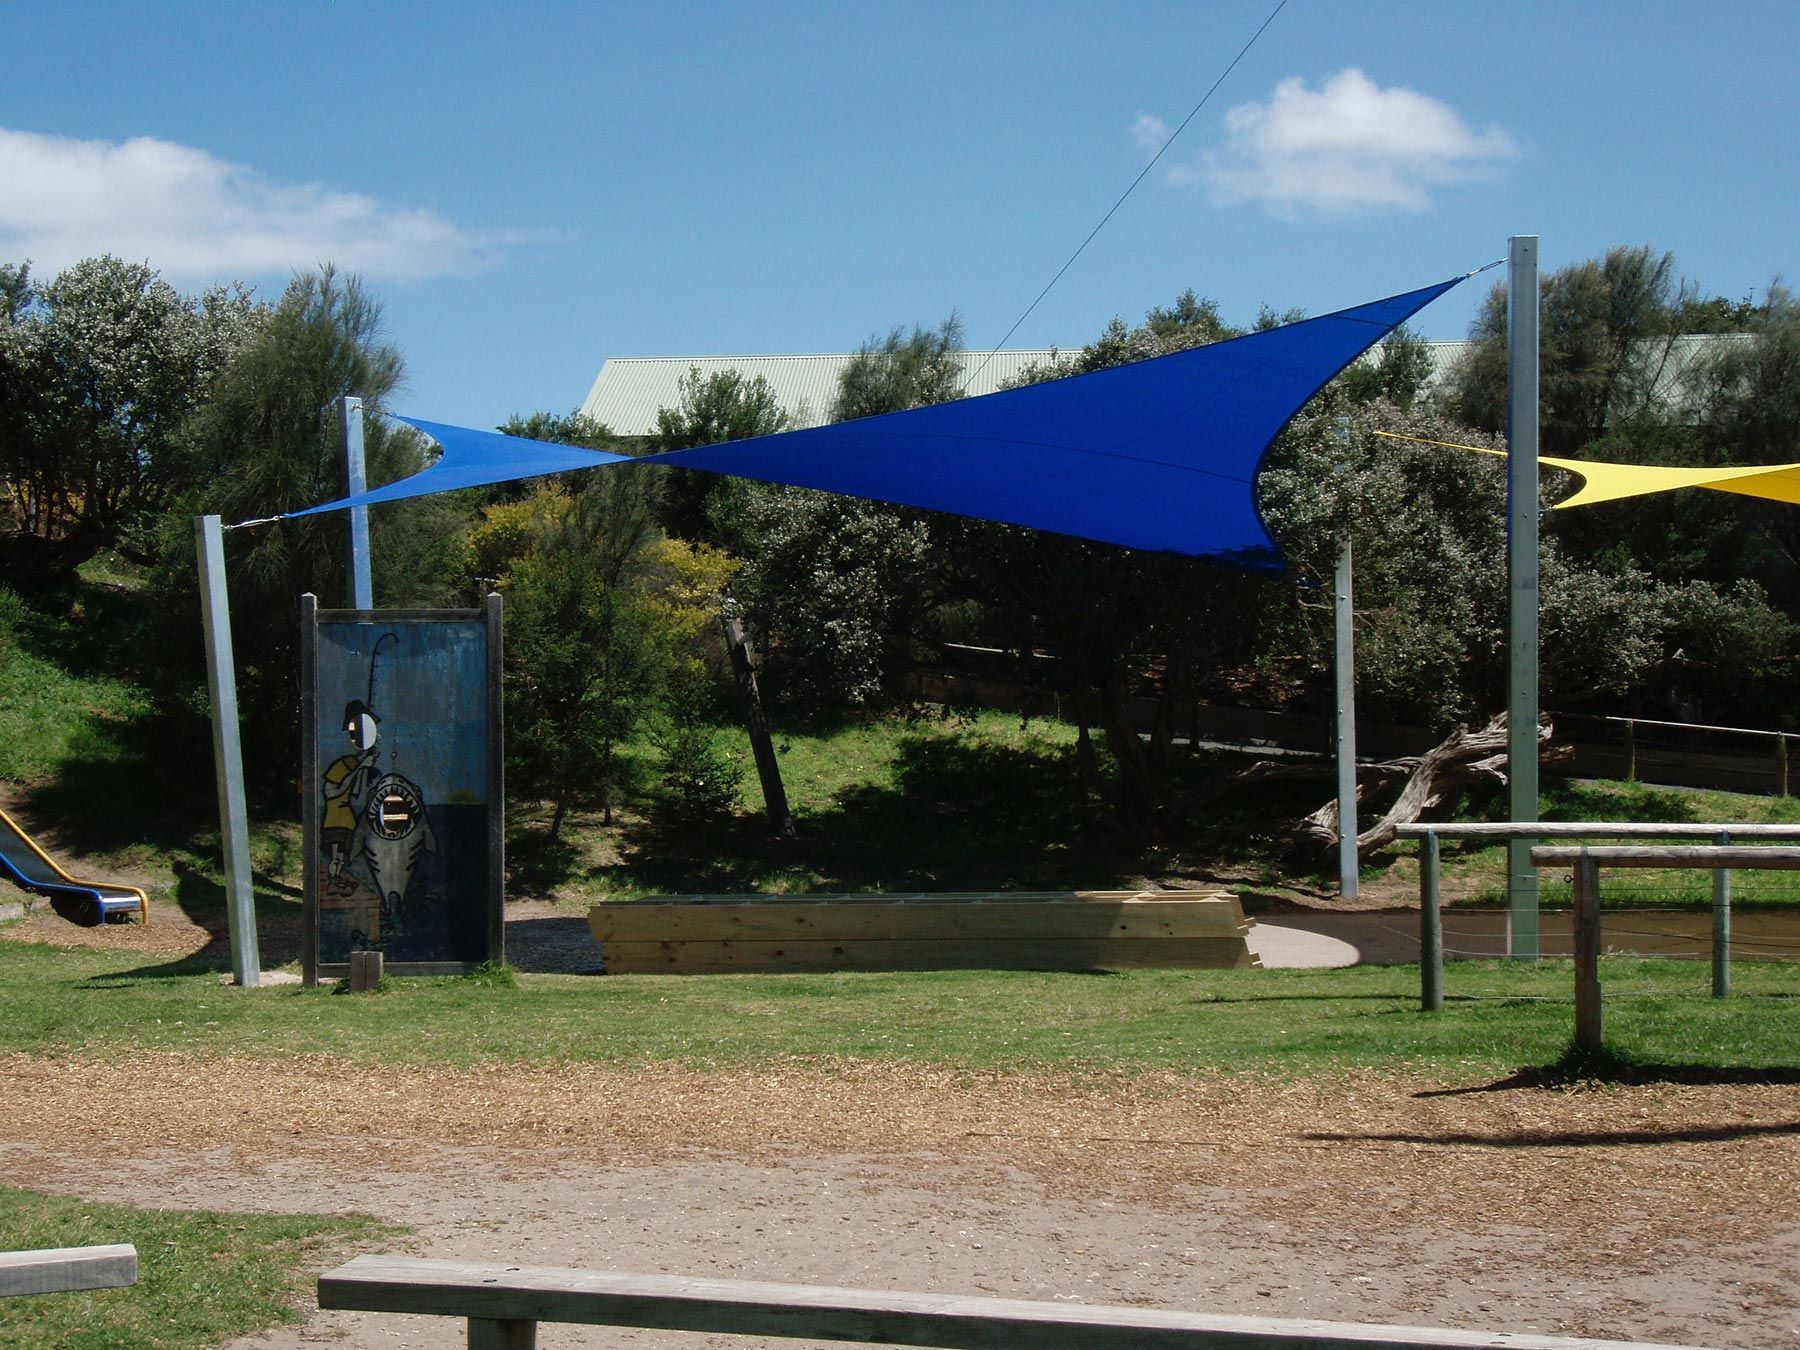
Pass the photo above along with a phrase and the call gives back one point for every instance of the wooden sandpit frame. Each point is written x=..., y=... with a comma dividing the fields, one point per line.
x=994, y=930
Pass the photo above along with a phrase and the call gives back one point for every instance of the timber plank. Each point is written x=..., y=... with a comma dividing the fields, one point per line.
x=897, y=919
x=58, y=1270
x=496, y=1292
x=765, y=956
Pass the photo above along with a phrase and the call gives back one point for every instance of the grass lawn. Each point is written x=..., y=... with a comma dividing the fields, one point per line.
x=1500, y=1017
x=203, y=1277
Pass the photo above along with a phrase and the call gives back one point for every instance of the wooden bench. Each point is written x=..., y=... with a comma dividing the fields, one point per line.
x=504, y=1304
x=61, y=1270
x=998, y=930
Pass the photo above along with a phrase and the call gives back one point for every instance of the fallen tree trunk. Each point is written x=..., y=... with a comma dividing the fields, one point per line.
x=1434, y=782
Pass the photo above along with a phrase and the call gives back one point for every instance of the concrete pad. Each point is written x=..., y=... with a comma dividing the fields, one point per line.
x=1280, y=947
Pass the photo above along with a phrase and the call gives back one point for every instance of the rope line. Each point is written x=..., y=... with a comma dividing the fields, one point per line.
x=1145, y=173
x=1447, y=445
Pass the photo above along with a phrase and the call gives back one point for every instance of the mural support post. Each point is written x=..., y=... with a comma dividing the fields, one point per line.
x=1522, y=588
x=362, y=589
x=228, y=755
x=1344, y=648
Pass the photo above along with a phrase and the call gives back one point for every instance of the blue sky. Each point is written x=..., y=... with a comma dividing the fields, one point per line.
x=535, y=188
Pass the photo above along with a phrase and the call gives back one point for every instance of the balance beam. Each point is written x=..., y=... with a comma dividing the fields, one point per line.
x=504, y=1304
x=61, y=1270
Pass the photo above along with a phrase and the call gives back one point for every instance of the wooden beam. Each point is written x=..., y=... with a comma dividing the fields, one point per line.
x=650, y=957
x=1588, y=1035
x=923, y=919
x=1573, y=829
x=58, y=1270
x=495, y=1292
x=1675, y=855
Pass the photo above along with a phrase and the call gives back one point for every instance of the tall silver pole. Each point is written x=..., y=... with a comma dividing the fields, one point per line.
x=228, y=754
x=1344, y=616
x=362, y=590
x=1522, y=587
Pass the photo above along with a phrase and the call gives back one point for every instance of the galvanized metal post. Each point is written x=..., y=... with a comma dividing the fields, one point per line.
x=362, y=587
x=228, y=755
x=1721, y=925
x=1522, y=588
x=1344, y=662
x=1431, y=926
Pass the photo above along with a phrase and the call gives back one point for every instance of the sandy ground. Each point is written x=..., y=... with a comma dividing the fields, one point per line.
x=1668, y=1212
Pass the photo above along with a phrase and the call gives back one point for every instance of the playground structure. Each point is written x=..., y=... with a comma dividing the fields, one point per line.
x=27, y=865
x=1004, y=930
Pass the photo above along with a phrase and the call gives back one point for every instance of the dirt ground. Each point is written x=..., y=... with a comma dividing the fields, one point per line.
x=1666, y=1213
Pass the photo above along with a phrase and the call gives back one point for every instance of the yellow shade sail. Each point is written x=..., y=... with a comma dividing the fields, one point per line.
x=1603, y=482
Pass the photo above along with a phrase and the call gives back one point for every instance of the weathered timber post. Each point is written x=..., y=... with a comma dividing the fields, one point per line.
x=1431, y=927
x=768, y=768
x=1721, y=925
x=1587, y=953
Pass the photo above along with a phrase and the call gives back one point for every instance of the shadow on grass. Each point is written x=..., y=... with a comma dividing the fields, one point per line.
x=957, y=813
x=202, y=899
x=1575, y=1067
x=1575, y=800
x=136, y=784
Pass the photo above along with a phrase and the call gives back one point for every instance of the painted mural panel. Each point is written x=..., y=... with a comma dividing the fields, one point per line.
x=399, y=803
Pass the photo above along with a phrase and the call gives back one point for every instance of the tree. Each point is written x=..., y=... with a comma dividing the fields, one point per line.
x=582, y=655
x=99, y=373
x=843, y=589
x=839, y=588
x=266, y=442
x=722, y=406
x=1427, y=527
x=1396, y=372
x=1606, y=334
x=1127, y=628
x=573, y=428
x=902, y=370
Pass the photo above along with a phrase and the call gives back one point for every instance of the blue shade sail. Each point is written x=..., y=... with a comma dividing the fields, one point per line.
x=1159, y=455
x=468, y=458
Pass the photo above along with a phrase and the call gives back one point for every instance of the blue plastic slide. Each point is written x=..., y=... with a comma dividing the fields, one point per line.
x=29, y=866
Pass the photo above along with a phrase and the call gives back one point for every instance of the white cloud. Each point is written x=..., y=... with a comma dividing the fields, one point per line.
x=195, y=217
x=1350, y=146
x=1150, y=132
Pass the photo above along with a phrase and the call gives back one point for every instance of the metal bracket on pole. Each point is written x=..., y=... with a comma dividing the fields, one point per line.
x=228, y=755
x=361, y=587
x=1522, y=588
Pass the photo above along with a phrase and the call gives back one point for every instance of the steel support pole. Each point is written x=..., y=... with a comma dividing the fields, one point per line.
x=1344, y=663
x=1522, y=588
x=228, y=755
x=1349, y=882
x=362, y=588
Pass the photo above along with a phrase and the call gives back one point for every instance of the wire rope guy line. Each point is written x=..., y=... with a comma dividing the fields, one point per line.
x=1142, y=175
